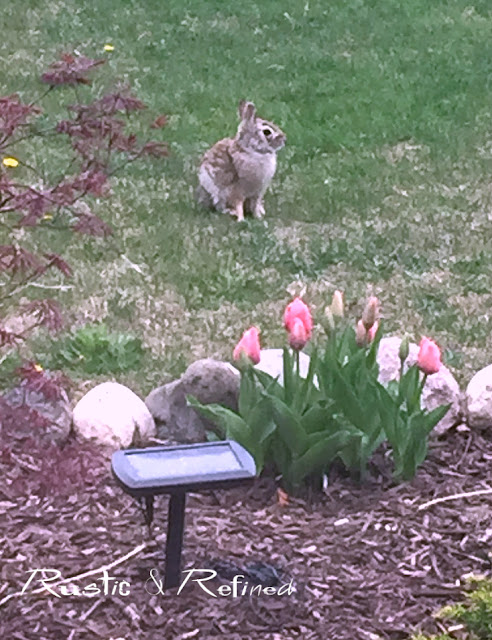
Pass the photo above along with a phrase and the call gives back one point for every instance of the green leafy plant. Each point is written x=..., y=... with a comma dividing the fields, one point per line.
x=347, y=371
x=281, y=424
x=407, y=426
x=94, y=350
x=309, y=435
x=475, y=612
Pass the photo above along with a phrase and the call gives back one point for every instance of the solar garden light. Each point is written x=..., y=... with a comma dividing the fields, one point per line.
x=176, y=470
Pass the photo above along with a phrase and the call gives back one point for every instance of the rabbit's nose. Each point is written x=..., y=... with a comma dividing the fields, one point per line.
x=281, y=140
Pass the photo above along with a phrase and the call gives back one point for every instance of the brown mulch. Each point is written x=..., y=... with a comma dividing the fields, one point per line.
x=366, y=564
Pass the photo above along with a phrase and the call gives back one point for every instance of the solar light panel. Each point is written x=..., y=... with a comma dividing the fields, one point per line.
x=182, y=463
x=162, y=469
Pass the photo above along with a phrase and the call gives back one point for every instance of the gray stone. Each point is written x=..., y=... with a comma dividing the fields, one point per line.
x=209, y=381
x=479, y=399
x=440, y=388
x=57, y=410
x=113, y=415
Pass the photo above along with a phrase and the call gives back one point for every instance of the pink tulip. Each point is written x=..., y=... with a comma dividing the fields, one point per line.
x=249, y=345
x=372, y=332
x=429, y=357
x=298, y=309
x=298, y=335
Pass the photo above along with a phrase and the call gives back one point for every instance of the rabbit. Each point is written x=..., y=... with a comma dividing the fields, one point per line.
x=235, y=173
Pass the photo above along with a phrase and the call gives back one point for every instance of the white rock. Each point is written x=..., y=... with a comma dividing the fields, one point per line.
x=440, y=388
x=388, y=360
x=111, y=414
x=479, y=399
x=271, y=362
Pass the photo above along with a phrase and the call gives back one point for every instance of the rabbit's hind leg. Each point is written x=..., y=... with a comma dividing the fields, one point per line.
x=233, y=203
x=203, y=197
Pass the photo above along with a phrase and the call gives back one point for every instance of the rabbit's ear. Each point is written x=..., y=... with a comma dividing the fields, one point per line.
x=247, y=110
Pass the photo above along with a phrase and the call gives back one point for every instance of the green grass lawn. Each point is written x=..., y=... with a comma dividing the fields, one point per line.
x=384, y=186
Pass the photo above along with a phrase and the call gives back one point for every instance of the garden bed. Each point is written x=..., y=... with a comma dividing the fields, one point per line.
x=365, y=561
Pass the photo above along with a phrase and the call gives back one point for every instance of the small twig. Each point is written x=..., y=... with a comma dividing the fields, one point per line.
x=456, y=496
x=85, y=615
x=442, y=592
x=51, y=131
x=159, y=441
x=465, y=452
x=80, y=575
x=42, y=95
x=58, y=287
x=25, y=465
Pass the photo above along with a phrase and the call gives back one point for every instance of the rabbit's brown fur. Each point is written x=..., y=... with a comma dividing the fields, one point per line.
x=235, y=173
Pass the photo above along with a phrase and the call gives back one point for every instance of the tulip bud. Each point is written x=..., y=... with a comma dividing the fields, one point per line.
x=248, y=346
x=337, y=304
x=371, y=312
x=298, y=335
x=404, y=349
x=371, y=333
x=429, y=357
x=360, y=334
x=328, y=321
x=298, y=309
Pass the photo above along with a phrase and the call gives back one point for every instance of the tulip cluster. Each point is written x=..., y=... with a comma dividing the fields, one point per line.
x=338, y=409
x=298, y=322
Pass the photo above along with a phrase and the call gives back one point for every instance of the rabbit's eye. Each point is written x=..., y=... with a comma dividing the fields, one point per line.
x=267, y=132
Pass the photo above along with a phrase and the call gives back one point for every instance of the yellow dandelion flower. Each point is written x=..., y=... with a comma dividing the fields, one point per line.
x=48, y=216
x=108, y=47
x=10, y=162
x=38, y=368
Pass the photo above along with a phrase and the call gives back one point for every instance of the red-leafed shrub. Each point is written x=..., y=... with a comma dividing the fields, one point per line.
x=98, y=144
x=31, y=462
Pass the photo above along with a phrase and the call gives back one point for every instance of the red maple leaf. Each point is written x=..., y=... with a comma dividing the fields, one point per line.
x=70, y=70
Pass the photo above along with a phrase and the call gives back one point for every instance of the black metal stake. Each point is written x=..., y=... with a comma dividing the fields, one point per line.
x=174, y=541
x=176, y=470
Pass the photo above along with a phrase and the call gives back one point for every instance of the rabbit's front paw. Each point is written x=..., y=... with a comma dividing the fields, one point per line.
x=258, y=209
x=239, y=213
x=236, y=211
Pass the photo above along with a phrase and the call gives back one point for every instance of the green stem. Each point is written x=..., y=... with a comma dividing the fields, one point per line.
x=400, y=395
x=398, y=436
x=402, y=362
x=418, y=393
